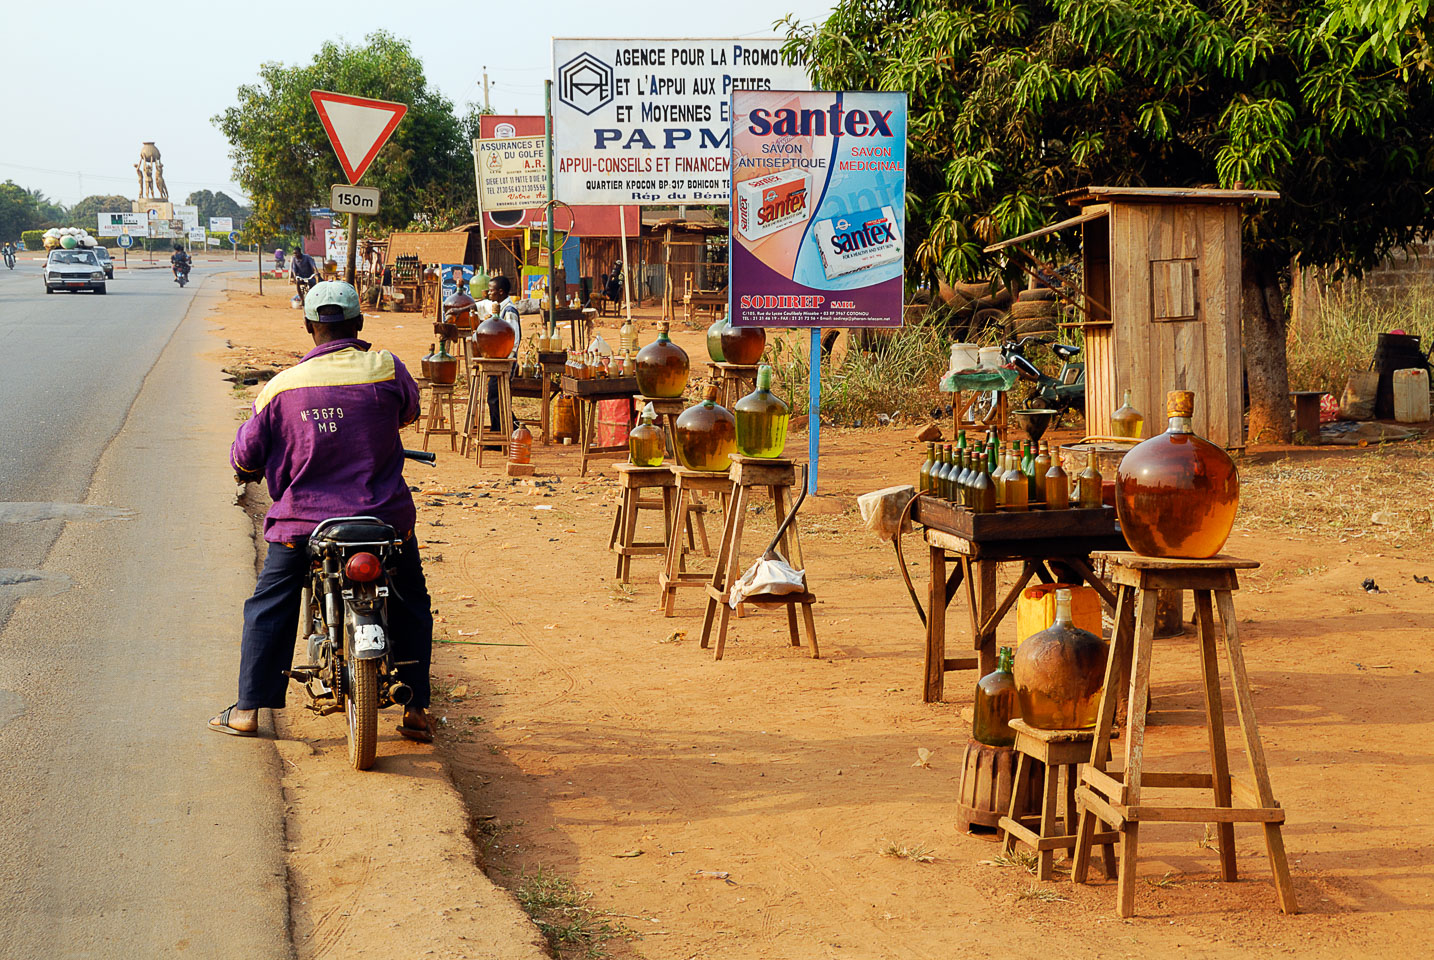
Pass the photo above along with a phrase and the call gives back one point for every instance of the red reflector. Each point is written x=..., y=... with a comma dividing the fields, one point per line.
x=363, y=567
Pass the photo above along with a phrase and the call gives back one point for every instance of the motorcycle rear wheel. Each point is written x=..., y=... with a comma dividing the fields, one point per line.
x=361, y=711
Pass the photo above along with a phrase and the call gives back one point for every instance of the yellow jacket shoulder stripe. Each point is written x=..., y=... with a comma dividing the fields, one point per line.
x=341, y=368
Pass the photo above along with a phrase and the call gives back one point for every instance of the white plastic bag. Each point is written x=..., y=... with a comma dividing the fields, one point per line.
x=767, y=577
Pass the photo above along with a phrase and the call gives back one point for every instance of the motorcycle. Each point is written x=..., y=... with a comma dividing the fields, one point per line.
x=181, y=273
x=10, y=259
x=345, y=606
x=1060, y=393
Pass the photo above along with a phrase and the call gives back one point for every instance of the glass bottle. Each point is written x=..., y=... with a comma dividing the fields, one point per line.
x=1060, y=673
x=1088, y=486
x=493, y=339
x=996, y=704
x=952, y=467
x=520, y=445
x=1057, y=486
x=1177, y=493
x=443, y=366
x=936, y=477
x=1018, y=487
x=426, y=362
x=983, y=491
x=580, y=368
x=705, y=435
x=1040, y=466
x=662, y=367
x=743, y=345
x=1127, y=421
x=998, y=480
x=627, y=337
x=714, y=339
x=458, y=310
x=761, y=419
x=646, y=445
x=923, y=476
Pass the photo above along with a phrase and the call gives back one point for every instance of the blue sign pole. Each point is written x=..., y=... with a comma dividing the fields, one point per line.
x=814, y=410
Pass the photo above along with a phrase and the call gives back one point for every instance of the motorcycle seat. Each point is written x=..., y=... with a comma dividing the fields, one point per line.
x=356, y=531
x=1065, y=351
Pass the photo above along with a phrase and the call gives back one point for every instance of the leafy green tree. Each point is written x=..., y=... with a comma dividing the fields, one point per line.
x=83, y=213
x=1014, y=102
x=282, y=157
x=17, y=211
x=217, y=204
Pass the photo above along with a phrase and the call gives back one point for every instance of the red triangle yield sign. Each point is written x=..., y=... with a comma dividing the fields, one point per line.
x=357, y=127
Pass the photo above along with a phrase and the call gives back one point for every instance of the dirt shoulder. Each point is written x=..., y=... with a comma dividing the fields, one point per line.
x=600, y=744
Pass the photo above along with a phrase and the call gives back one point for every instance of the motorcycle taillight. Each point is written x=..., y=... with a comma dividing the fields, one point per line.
x=363, y=567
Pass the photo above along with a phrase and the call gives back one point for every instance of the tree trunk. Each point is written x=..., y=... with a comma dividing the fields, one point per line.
x=1265, y=324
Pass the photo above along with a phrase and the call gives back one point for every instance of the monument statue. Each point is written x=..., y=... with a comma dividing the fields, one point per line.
x=162, y=191
x=139, y=172
x=151, y=174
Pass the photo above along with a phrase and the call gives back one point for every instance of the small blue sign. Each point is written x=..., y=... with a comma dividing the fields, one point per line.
x=233, y=236
x=125, y=241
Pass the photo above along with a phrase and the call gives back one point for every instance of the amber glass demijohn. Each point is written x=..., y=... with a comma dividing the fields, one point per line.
x=458, y=309
x=761, y=419
x=426, y=362
x=662, y=367
x=1060, y=673
x=743, y=345
x=1177, y=493
x=645, y=444
x=996, y=704
x=493, y=339
x=705, y=436
x=443, y=366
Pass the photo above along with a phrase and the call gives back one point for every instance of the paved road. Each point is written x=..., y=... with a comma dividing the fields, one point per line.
x=125, y=828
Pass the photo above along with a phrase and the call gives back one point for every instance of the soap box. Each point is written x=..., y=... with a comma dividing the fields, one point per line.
x=771, y=203
x=858, y=241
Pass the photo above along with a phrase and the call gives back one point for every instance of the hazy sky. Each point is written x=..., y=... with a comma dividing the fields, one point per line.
x=161, y=71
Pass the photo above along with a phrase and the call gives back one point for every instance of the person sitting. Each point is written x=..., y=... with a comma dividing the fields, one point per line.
x=179, y=260
x=321, y=467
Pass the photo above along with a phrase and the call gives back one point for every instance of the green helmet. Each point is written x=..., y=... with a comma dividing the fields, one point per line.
x=331, y=293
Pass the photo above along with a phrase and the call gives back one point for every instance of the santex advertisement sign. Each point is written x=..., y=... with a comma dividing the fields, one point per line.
x=647, y=121
x=818, y=208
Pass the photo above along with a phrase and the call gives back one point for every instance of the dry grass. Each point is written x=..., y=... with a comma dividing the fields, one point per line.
x=1041, y=895
x=1343, y=338
x=561, y=912
x=1382, y=493
x=1027, y=860
x=915, y=852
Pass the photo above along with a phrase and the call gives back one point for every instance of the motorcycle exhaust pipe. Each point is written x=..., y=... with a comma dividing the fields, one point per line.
x=400, y=693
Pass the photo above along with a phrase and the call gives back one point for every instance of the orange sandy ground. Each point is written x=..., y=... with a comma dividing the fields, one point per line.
x=607, y=747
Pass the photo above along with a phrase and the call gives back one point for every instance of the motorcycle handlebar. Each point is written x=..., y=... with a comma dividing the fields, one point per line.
x=422, y=456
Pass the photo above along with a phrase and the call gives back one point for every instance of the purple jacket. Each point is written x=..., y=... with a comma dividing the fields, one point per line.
x=325, y=435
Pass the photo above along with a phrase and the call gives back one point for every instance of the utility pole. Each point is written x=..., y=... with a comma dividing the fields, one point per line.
x=487, y=107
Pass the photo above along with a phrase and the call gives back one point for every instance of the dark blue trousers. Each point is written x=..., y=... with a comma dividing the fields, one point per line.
x=271, y=625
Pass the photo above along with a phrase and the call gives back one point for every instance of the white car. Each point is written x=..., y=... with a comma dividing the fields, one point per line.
x=106, y=261
x=76, y=269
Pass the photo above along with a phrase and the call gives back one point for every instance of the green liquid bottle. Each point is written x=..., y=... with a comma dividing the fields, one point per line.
x=996, y=704
x=762, y=418
x=940, y=470
x=923, y=476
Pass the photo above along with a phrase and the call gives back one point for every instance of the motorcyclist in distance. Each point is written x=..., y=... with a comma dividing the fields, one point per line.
x=179, y=261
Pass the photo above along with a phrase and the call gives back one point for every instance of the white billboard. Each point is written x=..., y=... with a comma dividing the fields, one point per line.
x=189, y=213
x=512, y=173
x=647, y=121
x=197, y=235
x=119, y=224
x=221, y=224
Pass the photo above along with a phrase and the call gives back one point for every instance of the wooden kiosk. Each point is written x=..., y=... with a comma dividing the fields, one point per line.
x=1159, y=299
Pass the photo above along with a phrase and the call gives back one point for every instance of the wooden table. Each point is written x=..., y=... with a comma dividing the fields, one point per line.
x=980, y=543
x=540, y=388
x=587, y=394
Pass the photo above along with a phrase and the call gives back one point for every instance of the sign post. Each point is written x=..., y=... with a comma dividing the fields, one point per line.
x=357, y=128
x=818, y=221
x=549, y=212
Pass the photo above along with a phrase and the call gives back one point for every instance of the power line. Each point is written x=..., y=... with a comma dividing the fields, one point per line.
x=102, y=176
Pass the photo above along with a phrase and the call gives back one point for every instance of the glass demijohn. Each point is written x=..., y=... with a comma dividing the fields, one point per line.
x=1060, y=673
x=1127, y=421
x=662, y=367
x=761, y=419
x=646, y=445
x=706, y=435
x=996, y=704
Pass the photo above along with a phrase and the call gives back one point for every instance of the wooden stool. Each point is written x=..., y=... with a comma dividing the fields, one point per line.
x=738, y=380
x=747, y=474
x=441, y=395
x=1115, y=795
x=1060, y=753
x=674, y=572
x=475, y=426
x=631, y=481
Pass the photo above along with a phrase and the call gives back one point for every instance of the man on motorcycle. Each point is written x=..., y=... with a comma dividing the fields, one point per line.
x=324, y=435
x=303, y=270
x=9, y=253
x=179, y=261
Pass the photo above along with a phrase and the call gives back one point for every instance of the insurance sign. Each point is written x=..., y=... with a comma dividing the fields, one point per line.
x=647, y=121
x=512, y=173
x=818, y=208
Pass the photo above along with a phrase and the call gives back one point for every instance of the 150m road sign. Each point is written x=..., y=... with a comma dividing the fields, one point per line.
x=348, y=199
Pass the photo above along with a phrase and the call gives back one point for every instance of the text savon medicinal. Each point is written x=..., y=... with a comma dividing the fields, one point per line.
x=780, y=162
